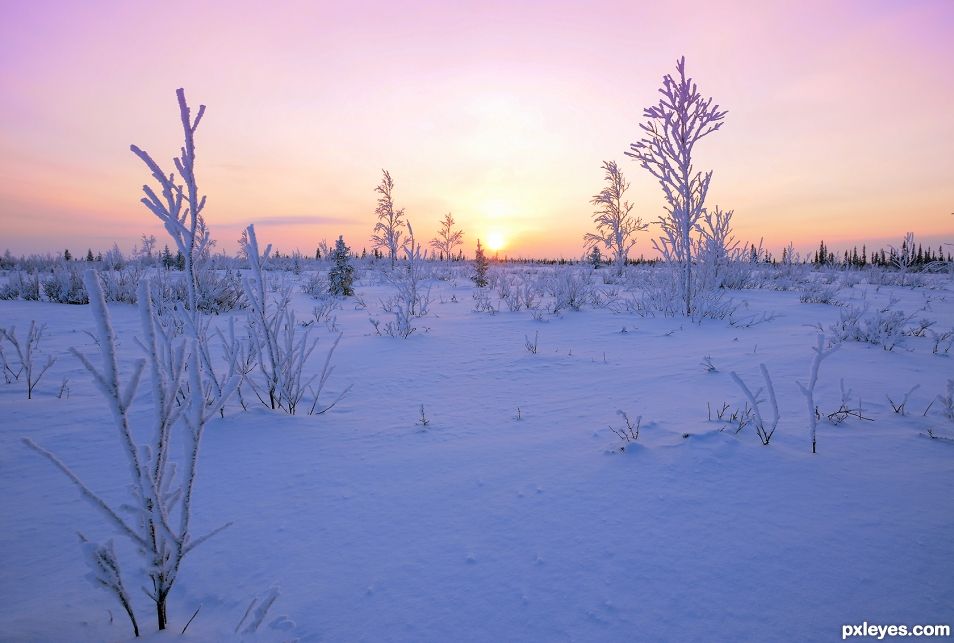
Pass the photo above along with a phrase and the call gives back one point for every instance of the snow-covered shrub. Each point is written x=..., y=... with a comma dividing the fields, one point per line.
x=25, y=349
x=412, y=298
x=341, y=275
x=885, y=327
x=113, y=259
x=482, y=302
x=315, y=286
x=762, y=428
x=218, y=291
x=21, y=285
x=628, y=433
x=947, y=401
x=818, y=292
x=508, y=292
x=161, y=505
x=401, y=326
x=570, y=289
x=942, y=341
x=65, y=286
x=122, y=285
x=280, y=346
x=660, y=292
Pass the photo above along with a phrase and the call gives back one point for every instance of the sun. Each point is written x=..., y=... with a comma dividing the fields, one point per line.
x=496, y=240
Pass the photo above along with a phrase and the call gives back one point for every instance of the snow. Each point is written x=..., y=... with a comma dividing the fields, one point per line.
x=484, y=527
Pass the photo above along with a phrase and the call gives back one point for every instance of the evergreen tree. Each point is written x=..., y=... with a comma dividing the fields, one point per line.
x=180, y=260
x=595, y=258
x=341, y=275
x=67, y=256
x=480, y=267
x=89, y=255
x=167, y=259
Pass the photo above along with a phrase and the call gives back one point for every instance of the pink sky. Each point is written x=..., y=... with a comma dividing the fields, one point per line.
x=839, y=127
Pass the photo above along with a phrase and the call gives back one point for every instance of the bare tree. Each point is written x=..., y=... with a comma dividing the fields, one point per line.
x=615, y=227
x=447, y=238
x=388, y=230
x=25, y=352
x=180, y=210
x=673, y=127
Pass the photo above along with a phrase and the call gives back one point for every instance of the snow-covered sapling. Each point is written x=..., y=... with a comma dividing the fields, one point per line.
x=809, y=390
x=423, y=421
x=105, y=572
x=447, y=238
x=630, y=432
x=180, y=211
x=326, y=370
x=25, y=355
x=280, y=350
x=899, y=407
x=161, y=538
x=10, y=375
x=671, y=130
x=390, y=226
x=845, y=411
x=764, y=430
x=615, y=226
x=532, y=347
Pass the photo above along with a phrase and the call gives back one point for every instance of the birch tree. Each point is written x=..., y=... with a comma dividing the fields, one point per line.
x=447, y=238
x=615, y=226
x=389, y=228
x=670, y=132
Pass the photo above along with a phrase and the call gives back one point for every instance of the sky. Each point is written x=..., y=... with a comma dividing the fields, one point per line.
x=839, y=120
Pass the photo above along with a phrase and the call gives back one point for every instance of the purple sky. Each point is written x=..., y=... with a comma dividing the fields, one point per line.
x=840, y=116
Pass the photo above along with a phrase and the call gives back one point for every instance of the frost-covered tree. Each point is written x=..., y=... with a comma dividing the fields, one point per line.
x=180, y=208
x=615, y=226
x=671, y=130
x=25, y=350
x=158, y=519
x=390, y=226
x=480, y=266
x=809, y=390
x=904, y=258
x=278, y=344
x=341, y=275
x=447, y=237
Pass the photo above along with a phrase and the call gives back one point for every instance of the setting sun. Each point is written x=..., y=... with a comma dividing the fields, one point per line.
x=496, y=240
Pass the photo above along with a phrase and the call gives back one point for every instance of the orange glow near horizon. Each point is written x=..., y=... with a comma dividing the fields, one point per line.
x=838, y=125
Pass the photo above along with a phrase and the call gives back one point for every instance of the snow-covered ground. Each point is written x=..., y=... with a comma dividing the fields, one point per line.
x=514, y=515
